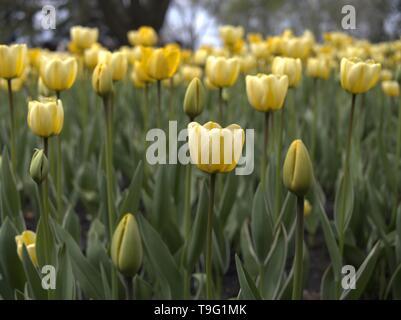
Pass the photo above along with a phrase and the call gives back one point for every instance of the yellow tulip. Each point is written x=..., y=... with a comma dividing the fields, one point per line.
x=290, y=67
x=214, y=149
x=222, y=72
x=297, y=47
x=231, y=34
x=190, y=72
x=91, y=57
x=248, y=64
x=58, y=73
x=391, y=88
x=34, y=57
x=318, y=68
x=140, y=72
x=126, y=246
x=161, y=63
x=13, y=59
x=102, y=79
x=83, y=37
x=46, y=118
x=358, y=76
x=144, y=36
x=260, y=50
x=254, y=37
x=266, y=92
x=386, y=75
x=194, y=99
x=117, y=62
x=200, y=56
x=28, y=239
x=297, y=170
x=307, y=208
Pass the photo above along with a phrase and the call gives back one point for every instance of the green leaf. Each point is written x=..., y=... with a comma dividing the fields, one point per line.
x=9, y=195
x=88, y=277
x=143, y=290
x=228, y=197
x=344, y=203
x=131, y=196
x=248, y=287
x=71, y=225
x=261, y=226
x=161, y=258
x=45, y=240
x=65, y=283
x=328, y=289
x=274, y=266
x=363, y=274
x=198, y=232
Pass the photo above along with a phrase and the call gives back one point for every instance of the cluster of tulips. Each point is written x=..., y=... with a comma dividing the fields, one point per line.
x=169, y=231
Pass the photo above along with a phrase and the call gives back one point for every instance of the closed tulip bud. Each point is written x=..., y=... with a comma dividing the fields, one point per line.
x=83, y=37
x=13, y=60
x=39, y=167
x=58, y=73
x=297, y=170
x=318, y=68
x=213, y=148
x=45, y=118
x=102, y=81
x=27, y=239
x=161, y=63
x=358, y=76
x=222, y=72
x=91, y=57
x=266, y=92
x=260, y=50
x=290, y=67
x=194, y=99
x=126, y=246
x=144, y=36
x=391, y=88
x=297, y=47
x=386, y=75
x=117, y=61
x=231, y=34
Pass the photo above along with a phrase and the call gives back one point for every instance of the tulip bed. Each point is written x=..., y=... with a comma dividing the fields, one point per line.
x=77, y=191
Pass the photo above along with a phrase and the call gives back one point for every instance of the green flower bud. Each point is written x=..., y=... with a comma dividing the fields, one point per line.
x=297, y=170
x=126, y=246
x=39, y=167
x=194, y=98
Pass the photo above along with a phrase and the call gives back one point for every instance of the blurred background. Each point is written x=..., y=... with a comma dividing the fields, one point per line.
x=193, y=22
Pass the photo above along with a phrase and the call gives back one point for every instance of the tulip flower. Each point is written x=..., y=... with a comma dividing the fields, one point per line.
x=28, y=239
x=231, y=34
x=194, y=99
x=298, y=178
x=248, y=64
x=318, y=68
x=13, y=60
x=290, y=67
x=222, y=72
x=161, y=63
x=58, y=73
x=39, y=167
x=359, y=76
x=117, y=62
x=391, y=88
x=102, y=80
x=46, y=119
x=144, y=36
x=190, y=72
x=297, y=47
x=266, y=92
x=126, y=246
x=91, y=57
x=83, y=37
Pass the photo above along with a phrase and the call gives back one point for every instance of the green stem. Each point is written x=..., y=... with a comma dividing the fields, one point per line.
x=159, y=102
x=397, y=167
x=299, y=242
x=171, y=98
x=278, y=164
x=315, y=117
x=350, y=125
x=187, y=201
x=129, y=288
x=221, y=111
x=145, y=109
x=109, y=178
x=209, y=275
x=59, y=162
x=265, y=145
x=12, y=124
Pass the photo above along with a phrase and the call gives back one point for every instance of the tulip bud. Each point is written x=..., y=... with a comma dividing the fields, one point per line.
x=39, y=167
x=297, y=170
x=102, y=80
x=194, y=98
x=27, y=239
x=126, y=246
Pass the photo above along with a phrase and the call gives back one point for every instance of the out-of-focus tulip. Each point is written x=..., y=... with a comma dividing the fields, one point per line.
x=91, y=57
x=359, y=76
x=58, y=73
x=213, y=148
x=231, y=34
x=144, y=36
x=386, y=75
x=200, y=56
x=222, y=72
x=291, y=67
x=260, y=50
x=266, y=92
x=248, y=64
x=102, y=79
x=254, y=37
x=297, y=47
x=44, y=91
x=28, y=239
x=297, y=170
x=46, y=118
x=161, y=63
x=194, y=98
x=391, y=88
x=126, y=246
x=307, y=208
x=191, y=72
x=13, y=60
x=117, y=62
x=34, y=57
x=83, y=37
x=318, y=68
x=39, y=167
